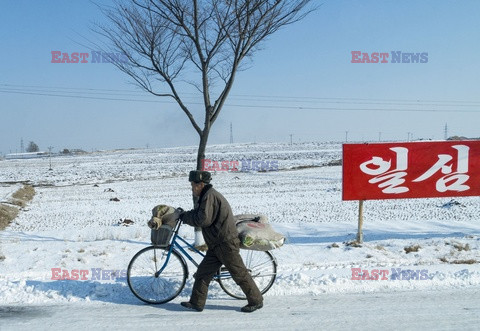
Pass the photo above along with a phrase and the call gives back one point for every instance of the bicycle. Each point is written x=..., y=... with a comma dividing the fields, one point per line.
x=157, y=274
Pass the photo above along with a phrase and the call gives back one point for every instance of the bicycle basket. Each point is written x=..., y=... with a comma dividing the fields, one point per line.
x=162, y=236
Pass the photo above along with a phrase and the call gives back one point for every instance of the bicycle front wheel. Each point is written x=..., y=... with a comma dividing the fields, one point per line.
x=142, y=276
x=261, y=265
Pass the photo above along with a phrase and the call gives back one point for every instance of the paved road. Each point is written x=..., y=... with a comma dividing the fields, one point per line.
x=433, y=310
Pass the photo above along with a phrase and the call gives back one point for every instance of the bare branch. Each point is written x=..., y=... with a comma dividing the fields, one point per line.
x=204, y=43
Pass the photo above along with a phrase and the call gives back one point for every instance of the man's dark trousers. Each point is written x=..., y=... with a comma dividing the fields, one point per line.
x=226, y=253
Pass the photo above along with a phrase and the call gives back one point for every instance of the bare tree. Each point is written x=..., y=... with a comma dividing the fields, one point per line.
x=165, y=44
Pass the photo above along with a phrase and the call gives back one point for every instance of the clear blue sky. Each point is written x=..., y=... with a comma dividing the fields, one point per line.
x=302, y=82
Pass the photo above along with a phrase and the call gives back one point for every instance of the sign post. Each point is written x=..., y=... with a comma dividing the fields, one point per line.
x=360, y=222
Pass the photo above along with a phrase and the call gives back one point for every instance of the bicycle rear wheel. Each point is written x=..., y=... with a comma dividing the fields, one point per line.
x=262, y=267
x=150, y=288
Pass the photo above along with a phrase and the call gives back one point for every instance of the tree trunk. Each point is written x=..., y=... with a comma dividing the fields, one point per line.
x=199, y=240
x=201, y=147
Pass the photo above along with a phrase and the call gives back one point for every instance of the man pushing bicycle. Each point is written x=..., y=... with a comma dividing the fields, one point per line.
x=214, y=215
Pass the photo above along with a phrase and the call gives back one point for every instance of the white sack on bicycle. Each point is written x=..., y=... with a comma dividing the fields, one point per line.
x=256, y=234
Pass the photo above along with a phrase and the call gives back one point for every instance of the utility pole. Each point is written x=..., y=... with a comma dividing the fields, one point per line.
x=346, y=136
x=408, y=136
x=379, y=136
x=50, y=156
x=231, y=133
x=291, y=139
x=445, y=131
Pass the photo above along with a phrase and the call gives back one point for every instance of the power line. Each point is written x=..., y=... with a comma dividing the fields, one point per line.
x=109, y=95
x=81, y=97
x=268, y=98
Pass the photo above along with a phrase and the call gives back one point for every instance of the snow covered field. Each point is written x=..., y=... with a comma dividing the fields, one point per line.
x=72, y=223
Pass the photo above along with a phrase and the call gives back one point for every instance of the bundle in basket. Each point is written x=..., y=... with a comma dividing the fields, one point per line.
x=162, y=233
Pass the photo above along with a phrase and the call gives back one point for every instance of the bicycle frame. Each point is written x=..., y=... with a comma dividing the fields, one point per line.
x=174, y=245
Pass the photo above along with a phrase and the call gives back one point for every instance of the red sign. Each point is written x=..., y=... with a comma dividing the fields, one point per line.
x=411, y=170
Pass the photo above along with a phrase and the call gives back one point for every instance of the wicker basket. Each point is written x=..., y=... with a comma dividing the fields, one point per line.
x=162, y=236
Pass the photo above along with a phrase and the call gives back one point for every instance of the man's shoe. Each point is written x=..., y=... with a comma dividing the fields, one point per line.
x=251, y=308
x=189, y=305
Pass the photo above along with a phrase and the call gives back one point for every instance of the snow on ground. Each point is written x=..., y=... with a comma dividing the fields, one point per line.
x=6, y=191
x=73, y=223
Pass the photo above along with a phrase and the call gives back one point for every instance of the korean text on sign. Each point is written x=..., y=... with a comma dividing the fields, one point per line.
x=411, y=170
